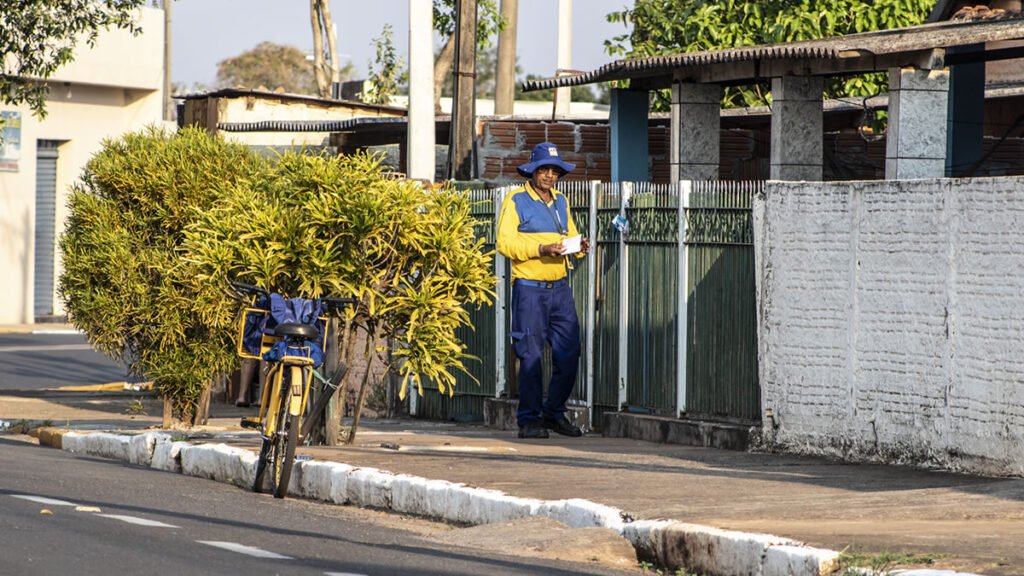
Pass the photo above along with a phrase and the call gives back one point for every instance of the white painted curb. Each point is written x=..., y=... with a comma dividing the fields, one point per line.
x=670, y=544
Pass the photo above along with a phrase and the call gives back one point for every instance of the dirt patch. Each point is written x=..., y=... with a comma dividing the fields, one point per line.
x=546, y=538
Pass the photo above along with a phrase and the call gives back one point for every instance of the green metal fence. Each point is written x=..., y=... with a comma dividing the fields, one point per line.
x=652, y=308
x=721, y=307
x=637, y=294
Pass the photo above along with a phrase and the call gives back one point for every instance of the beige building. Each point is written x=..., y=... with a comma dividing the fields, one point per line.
x=108, y=90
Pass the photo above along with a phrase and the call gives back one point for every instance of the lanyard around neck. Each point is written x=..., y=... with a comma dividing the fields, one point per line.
x=553, y=212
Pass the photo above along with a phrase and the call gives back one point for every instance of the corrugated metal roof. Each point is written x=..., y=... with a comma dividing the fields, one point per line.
x=621, y=69
x=914, y=39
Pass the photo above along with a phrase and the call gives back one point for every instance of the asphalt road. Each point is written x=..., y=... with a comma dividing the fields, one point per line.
x=39, y=361
x=67, y=514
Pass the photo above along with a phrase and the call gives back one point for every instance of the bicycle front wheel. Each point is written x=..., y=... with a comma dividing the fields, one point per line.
x=283, y=451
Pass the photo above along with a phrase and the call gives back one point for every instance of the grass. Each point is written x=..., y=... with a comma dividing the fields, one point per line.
x=136, y=407
x=855, y=563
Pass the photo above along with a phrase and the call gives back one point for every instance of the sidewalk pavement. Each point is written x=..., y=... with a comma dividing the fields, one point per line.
x=974, y=524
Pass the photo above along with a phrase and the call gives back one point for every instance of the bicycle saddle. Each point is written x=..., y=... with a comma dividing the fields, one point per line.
x=296, y=330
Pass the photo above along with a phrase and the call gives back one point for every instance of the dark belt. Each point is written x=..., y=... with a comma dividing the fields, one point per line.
x=542, y=283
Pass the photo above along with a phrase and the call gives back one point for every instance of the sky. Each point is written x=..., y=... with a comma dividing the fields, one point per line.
x=204, y=32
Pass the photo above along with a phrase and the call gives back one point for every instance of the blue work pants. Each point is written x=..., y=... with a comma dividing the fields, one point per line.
x=544, y=314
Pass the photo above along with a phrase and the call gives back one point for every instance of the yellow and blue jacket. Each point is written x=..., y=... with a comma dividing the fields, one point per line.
x=526, y=222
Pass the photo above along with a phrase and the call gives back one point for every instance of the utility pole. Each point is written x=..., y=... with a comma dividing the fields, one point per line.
x=420, y=134
x=505, y=80
x=563, y=96
x=463, y=130
x=168, y=101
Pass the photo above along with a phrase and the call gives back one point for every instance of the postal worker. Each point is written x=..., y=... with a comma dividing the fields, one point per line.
x=537, y=233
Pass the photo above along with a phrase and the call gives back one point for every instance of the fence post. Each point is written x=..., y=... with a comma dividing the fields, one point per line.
x=626, y=192
x=500, y=300
x=685, y=188
x=591, y=298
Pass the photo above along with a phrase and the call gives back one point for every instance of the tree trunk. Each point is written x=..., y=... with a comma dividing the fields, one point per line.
x=358, y=409
x=316, y=18
x=202, y=414
x=349, y=347
x=505, y=77
x=442, y=68
x=168, y=414
x=332, y=44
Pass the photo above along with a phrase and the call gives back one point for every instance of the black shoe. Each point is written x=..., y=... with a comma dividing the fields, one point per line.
x=562, y=426
x=532, y=430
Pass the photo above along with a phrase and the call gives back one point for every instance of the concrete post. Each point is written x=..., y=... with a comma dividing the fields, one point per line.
x=563, y=95
x=696, y=120
x=419, y=147
x=915, y=144
x=797, y=123
x=628, y=119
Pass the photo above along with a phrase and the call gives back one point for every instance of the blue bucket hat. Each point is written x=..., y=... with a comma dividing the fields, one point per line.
x=544, y=154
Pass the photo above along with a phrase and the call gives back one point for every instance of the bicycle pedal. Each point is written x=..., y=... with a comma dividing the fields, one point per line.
x=250, y=423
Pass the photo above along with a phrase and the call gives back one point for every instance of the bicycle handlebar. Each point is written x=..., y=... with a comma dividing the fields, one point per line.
x=339, y=303
x=243, y=288
x=250, y=289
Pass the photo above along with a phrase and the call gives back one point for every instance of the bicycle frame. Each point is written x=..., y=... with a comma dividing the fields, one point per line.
x=286, y=391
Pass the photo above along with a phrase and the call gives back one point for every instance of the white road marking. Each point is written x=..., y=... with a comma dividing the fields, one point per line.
x=38, y=348
x=243, y=549
x=44, y=500
x=343, y=574
x=138, y=521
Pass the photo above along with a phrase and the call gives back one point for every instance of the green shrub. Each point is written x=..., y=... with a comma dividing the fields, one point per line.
x=339, y=226
x=124, y=282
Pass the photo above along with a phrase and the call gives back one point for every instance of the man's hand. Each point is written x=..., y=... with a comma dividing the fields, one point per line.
x=585, y=245
x=551, y=249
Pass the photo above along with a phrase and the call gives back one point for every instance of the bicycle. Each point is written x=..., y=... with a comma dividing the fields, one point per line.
x=290, y=334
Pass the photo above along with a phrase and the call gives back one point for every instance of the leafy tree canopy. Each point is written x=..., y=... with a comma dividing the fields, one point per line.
x=488, y=23
x=272, y=66
x=674, y=26
x=39, y=36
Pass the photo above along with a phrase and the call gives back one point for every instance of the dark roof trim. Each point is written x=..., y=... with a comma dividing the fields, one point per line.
x=839, y=55
x=306, y=125
x=243, y=92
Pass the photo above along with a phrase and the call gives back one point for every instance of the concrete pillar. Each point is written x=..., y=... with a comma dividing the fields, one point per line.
x=915, y=145
x=628, y=119
x=563, y=96
x=696, y=120
x=797, y=122
x=966, y=129
x=419, y=148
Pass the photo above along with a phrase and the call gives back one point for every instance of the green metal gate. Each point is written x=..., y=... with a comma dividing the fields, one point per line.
x=721, y=371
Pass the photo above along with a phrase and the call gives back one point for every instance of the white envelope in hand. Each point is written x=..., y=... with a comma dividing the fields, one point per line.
x=571, y=245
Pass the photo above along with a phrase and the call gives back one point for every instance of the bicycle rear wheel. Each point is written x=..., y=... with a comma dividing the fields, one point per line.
x=287, y=437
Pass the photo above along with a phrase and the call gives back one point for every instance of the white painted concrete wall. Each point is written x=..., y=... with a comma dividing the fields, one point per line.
x=891, y=321
x=112, y=89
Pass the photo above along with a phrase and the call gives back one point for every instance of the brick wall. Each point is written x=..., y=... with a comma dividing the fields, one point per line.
x=744, y=153
x=505, y=144
x=891, y=321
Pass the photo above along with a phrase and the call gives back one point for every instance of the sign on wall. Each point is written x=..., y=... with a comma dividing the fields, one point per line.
x=10, y=142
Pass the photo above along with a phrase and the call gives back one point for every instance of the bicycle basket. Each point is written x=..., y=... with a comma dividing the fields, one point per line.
x=256, y=334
